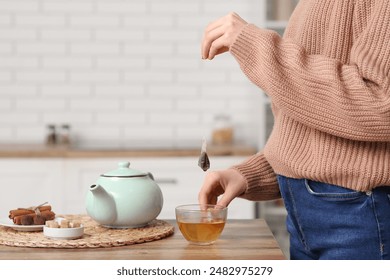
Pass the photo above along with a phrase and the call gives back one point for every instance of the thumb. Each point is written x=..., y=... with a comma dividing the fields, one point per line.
x=226, y=198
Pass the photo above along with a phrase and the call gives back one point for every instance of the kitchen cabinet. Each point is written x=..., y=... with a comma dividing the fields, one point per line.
x=29, y=182
x=64, y=182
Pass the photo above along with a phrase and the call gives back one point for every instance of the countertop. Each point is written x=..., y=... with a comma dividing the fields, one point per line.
x=43, y=151
x=240, y=240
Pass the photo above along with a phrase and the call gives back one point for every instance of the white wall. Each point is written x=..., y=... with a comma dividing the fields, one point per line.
x=120, y=71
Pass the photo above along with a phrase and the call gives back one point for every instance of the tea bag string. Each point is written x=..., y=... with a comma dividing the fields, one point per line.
x=34, y=208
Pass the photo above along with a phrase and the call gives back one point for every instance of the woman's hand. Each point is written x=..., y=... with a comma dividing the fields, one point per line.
x=229, y=183
x=221, y=34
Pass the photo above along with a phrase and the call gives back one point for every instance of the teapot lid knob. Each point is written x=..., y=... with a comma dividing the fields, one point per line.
x=124, y=164
x=123, y=171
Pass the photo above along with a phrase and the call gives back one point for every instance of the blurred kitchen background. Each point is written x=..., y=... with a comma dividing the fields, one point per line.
x=122, y=74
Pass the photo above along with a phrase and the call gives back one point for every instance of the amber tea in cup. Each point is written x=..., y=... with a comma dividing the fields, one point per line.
x=201, y=224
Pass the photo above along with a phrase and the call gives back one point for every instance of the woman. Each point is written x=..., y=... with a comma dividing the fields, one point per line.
x=328, y=155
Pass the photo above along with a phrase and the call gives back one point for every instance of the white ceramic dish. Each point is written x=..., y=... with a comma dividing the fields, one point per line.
x=6, y=222
x=63, y=233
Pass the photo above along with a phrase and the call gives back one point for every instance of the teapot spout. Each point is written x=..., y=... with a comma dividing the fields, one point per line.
x=101, y=205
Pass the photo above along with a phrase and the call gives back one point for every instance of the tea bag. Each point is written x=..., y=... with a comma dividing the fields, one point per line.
x=204, y=161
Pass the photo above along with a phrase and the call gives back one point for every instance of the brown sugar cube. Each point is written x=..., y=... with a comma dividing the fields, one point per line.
x=64, y=224
x=52, y=224
x=75, y=224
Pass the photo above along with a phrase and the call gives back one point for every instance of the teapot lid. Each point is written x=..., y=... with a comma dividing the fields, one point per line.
x=124, y=171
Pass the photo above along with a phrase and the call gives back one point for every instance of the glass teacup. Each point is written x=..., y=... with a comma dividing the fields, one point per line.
x=201, y=224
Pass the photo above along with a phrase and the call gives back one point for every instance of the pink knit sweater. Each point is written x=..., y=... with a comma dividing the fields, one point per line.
x=328, y=81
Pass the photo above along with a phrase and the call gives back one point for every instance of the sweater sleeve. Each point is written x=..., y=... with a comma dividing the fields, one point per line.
x=346, y=100
x=260, y=178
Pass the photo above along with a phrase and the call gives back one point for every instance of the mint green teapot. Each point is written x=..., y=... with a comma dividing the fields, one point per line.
x=124, y=198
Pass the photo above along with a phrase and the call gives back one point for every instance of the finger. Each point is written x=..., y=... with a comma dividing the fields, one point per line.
x=209, y=38
x=203, y=199
x=225, y=30
x=210, y=189
x=206, y=197
x=205, y=194
x=214, y=27
x=217, y=47
x=226, y=198
x=231, y=193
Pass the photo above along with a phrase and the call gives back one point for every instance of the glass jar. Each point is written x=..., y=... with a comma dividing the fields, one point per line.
x=51, y=136
x=65, y=135
x=222, y=130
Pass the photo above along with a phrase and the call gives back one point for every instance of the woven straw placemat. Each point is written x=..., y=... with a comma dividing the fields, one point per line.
x=95, y=236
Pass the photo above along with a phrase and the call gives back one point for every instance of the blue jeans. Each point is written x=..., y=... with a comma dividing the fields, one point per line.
x=331, y=222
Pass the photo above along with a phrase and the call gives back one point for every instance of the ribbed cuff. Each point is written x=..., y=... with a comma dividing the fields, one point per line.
x=260, y=178
x=242, y=46
x=250, y=38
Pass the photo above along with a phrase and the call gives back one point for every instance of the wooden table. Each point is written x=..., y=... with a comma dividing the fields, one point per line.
x=240, y=240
